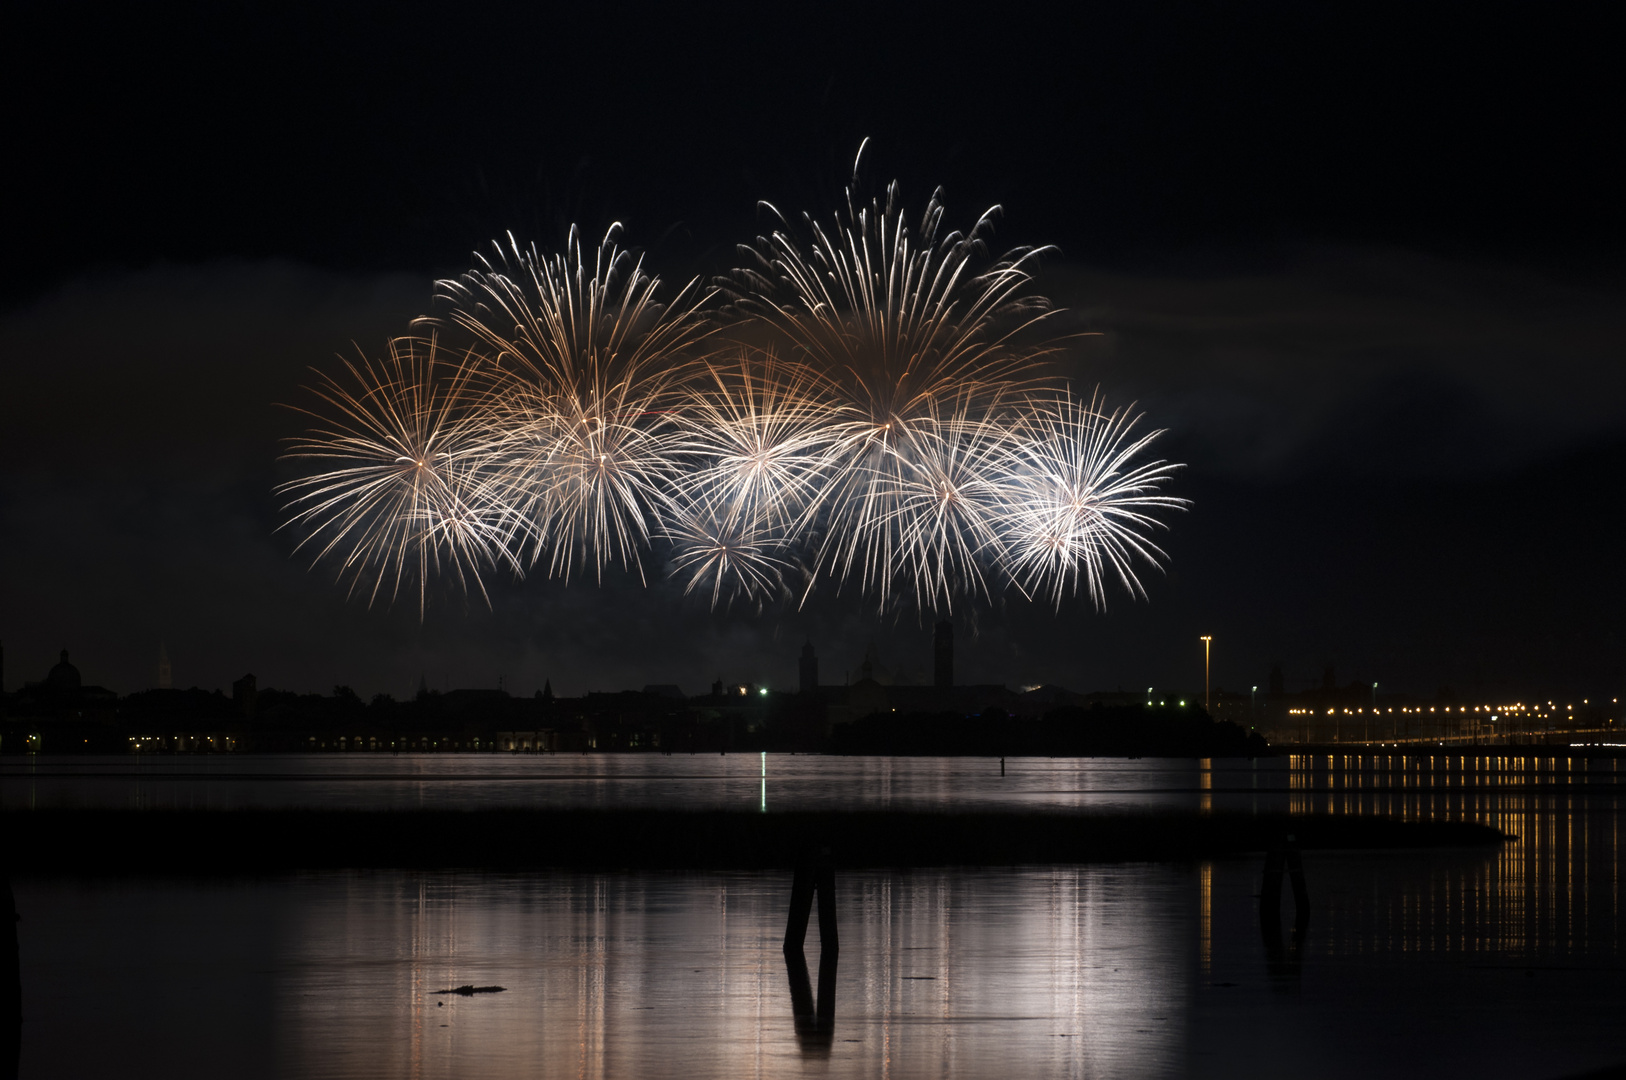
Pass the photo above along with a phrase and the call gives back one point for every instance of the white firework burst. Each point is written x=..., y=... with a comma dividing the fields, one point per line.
x=910, y=325
x=400, y=488
x=883, y=420
x=1080, y=502
x=581, y=358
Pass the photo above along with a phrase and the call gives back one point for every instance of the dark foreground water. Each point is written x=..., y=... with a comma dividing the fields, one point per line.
x=1429, y=964
x=1501, y=963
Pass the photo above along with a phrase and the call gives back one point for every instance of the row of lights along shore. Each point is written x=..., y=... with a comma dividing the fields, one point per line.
x=1518, y=709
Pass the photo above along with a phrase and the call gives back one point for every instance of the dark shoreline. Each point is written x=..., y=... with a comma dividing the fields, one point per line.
x=100, y=843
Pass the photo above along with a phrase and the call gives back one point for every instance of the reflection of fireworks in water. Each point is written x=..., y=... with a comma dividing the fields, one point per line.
x=892, y=432
x=399, y=492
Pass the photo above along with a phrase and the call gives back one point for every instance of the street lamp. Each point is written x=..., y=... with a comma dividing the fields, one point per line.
x=1207, y=639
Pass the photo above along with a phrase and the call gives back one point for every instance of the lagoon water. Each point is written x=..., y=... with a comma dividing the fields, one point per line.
x=752, y=782
x=1485, y=962
x=1475, y=785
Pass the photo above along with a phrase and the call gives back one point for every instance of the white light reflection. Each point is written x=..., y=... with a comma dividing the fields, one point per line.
x=1077, y=971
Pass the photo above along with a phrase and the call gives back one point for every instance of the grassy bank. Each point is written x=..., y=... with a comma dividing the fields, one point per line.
x=96, y=843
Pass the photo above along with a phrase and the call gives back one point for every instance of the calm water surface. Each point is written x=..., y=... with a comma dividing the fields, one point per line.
x=1457, y=785
x=690, y=781
x=1494, y=963
x=1417, y=965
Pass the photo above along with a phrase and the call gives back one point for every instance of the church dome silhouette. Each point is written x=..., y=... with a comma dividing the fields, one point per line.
x=64, y=676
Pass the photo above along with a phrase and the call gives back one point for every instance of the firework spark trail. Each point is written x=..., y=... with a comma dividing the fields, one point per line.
x=582, y=477
x=765, y=432
x=903, y=322
x=900, y=316
x=581, y=356
x=730, y=556
x=758, y=433
x=885, y=425
x=1080, y=502
x=943, y=516
x=400, y=478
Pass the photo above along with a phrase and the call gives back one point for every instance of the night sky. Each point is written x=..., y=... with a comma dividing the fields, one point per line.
x=1365, y=263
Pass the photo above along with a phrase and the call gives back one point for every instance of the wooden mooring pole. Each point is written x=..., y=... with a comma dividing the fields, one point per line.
x=815, y=873
x=1283, y=858
x=814, y=1019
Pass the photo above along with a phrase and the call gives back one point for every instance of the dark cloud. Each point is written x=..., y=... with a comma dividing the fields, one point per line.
x=140, y=460
x=1363, y=362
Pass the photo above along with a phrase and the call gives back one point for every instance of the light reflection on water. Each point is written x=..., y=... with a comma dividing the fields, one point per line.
x=687, y=781
x=626, y=975
x=1502, y=963
x=1122, y=971
x=1456, y=785
x=1555, y=882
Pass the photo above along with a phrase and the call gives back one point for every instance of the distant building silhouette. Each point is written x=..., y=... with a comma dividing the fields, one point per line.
x=245, y=695
x=808, y=669
x=864, y=696
x=63, y=677
x=62, y=695
x=943, y=656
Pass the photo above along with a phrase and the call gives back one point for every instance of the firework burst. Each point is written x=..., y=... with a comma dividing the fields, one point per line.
x=943, y=501
x=919, y=333
x=898, y=316
x=757, y=435
x=1080, y=504
x=400, y=488
x=879, y=417
x=580, y=361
